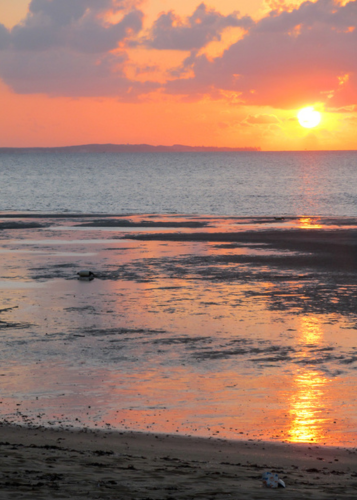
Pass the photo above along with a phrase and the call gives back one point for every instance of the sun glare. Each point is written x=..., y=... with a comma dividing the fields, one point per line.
x=308, y=117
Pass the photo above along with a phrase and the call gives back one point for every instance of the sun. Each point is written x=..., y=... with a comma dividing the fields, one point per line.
x=308, y=117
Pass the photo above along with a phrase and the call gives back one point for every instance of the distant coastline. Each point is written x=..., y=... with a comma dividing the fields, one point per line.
x=131, y=148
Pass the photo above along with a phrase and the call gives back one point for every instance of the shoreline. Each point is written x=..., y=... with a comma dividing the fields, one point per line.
x=46, y=463
x=219, y=303
x=311, y=286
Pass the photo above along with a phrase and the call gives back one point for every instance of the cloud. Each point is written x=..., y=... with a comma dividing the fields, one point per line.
x=93, y=37
x=289, y=58
x=4, y=37
x=286, y=60
x=281, y=5
x=261, y=119
x=65, y=73
x=73, y=24
x=64, y=12
x=63, y=47
x=170, y=32
x=344, y=109
x=61, y=12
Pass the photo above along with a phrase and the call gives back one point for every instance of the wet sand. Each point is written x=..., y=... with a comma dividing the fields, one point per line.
x=47, y=464
x=223, y=327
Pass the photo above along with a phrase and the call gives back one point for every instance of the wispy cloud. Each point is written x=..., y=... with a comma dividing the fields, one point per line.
x=261, y=119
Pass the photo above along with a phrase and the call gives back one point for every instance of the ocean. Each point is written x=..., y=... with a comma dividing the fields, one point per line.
x=223, y=304
x=242, y=183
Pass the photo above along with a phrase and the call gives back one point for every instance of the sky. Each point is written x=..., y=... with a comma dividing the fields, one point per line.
x=231, y=73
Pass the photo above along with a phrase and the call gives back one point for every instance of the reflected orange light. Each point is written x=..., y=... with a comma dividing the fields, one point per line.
x=307, y=403
x=311, y=332
x=309, y=223
x=306, y=408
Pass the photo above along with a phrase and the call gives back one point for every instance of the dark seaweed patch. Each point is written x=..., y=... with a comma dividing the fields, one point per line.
x=181, y=340
x=21, y=225
x=16, y=326
x=97, y=332
x=142, y=223
x=79, y=309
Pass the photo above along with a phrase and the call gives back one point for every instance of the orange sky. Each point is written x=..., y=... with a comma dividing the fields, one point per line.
x=225, y=73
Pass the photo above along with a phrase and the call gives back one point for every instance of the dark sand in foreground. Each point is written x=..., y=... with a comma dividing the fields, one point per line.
x=48, y=464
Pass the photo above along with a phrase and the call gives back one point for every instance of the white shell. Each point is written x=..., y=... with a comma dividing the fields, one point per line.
x=281, y=483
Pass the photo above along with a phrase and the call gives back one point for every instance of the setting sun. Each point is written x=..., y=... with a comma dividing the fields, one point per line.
x=308, y=117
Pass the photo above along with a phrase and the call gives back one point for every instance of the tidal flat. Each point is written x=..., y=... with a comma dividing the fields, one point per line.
x=224, y=327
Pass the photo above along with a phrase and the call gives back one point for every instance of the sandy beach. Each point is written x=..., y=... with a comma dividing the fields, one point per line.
x=49, y=464
x=178, y=250
x=205, y=352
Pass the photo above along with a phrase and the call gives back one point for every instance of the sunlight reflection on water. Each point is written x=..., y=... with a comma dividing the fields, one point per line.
x=308, y=404
x=192, y=337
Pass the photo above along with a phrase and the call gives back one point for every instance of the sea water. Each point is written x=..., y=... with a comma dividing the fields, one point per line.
x=237, y=183
x=191, y=337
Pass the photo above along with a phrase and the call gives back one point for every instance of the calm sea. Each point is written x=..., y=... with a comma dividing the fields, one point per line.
x=244, y=183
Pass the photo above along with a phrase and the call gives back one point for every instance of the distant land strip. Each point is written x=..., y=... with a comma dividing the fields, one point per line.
x=130, y=148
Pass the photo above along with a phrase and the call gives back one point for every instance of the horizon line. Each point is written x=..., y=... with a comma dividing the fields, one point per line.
x=144, y=147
